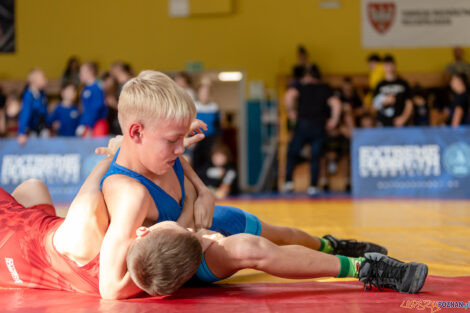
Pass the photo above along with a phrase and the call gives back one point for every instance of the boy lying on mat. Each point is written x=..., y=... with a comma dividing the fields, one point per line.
x=166, y=255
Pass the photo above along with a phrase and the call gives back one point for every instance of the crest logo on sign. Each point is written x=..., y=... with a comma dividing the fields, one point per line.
x=381, y=15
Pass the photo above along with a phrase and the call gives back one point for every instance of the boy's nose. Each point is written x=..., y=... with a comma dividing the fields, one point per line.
x=179, y=148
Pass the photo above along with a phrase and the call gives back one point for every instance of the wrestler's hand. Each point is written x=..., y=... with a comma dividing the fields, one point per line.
x=195, y=133
x=112, y=148
x=204, y=209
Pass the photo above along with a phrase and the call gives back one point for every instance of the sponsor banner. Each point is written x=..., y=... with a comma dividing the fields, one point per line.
x=415, y=23
x=411, y=162
x=62, y=163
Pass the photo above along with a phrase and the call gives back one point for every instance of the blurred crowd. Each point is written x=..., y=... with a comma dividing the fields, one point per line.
x=87, y=107
x=324, y=117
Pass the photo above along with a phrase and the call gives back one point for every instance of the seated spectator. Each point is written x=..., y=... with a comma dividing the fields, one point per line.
x=65, y=117
x=392, y=97
x=33, y=115
x=9, y=116
x=303, y=64
x=376, y=75
x=420, y=108
x=93, y=120
x=348, y=96
x=121, y=72
x=183, y=80
x=110, y=89
x=208, y=112
x=71, y=73
x=218, y=173
x=336, y=150
x=367, y=121
x=459, y=66
x=457, y=112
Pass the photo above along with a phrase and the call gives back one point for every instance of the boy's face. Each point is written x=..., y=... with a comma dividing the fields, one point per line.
x=69, y=93
x=161, y=144
x=85, y=74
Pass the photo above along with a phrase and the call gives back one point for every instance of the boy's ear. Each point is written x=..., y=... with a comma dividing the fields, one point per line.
x=135, y=132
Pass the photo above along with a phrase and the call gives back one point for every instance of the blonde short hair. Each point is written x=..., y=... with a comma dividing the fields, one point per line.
x=151, y=96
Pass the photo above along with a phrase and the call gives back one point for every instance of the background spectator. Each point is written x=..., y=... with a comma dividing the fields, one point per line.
x=121, y=72
x=110, y=89
x=218, y=173
x=421, y=116
x=9, y=116
x=65, y=117
x=183, y=80
x=313, y=99
x=33, y=115
x=458, y=111
x=94, y=112
x=392, y=97
x=71, y=73
x=303, y=64
x=459, y=66
x=376, y=75
x=350, y=99
x=208, y=112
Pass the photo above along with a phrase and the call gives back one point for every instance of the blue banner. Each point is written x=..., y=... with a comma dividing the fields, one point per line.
x=62, y=163
x=423, y=162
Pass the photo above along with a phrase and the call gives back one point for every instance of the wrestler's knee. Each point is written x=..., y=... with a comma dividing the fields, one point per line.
x=250, y=251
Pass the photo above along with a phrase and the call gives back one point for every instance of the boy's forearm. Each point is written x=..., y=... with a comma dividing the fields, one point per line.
x=193, y=177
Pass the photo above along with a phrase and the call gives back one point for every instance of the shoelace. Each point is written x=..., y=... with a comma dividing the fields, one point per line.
x=389, y=272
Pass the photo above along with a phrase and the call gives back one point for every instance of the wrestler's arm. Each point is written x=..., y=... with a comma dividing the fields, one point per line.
x=205, y=202
x=186, y=218
x=128, y=202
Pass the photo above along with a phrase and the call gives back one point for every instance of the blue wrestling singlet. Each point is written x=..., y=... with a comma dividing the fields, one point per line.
x=226, y=220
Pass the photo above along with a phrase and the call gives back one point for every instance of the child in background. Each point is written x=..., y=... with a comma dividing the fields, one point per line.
x=33, y=115
x=208, y=112
x=421, y=109
x=219, y=173
x=183, y=80
x=93, y=121
x=65, y=117
x=9, y=116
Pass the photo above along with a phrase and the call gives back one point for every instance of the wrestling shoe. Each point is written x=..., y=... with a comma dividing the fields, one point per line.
x=353, y=248
x=382, y=272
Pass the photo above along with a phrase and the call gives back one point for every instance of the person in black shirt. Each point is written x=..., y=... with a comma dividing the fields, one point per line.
x=420, y=108
x=303, y=64
x=392, y=98
x=314, y=101
x=458, y=111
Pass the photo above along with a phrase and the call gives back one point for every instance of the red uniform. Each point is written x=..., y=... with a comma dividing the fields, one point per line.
x=28, y=257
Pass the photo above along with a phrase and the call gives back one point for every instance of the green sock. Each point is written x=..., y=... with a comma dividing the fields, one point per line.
x=349, y=266
x=325, y=245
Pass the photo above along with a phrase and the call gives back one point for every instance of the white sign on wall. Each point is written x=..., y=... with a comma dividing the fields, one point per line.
x=415, y=23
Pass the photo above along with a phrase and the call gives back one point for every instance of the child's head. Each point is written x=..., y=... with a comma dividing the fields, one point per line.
x=155, y=115
x=183, y=80
x=68, y=94
x=220, y=155
x=373, y=60
x=37, y=79
x=163, y=258
x=88, y=72
x=204, y=93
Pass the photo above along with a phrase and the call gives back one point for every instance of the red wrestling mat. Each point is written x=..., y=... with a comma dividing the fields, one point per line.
x=330, y=297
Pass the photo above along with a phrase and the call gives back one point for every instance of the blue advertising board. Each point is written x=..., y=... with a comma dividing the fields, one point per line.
x=423, y=162
x=62, y=163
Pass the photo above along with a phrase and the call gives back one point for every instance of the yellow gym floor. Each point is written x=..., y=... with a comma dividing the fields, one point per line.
x=435, y=232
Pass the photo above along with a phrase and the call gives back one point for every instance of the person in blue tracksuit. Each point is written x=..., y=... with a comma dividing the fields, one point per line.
x=65, y=117
x=94, y=111
x=33, y=115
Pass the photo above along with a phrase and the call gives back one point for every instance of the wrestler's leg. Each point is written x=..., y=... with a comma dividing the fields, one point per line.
x=32, y=192
x=282, y=235
x=241, y=251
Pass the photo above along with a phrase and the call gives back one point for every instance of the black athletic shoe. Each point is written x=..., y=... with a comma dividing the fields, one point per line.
x=382, y=272
x=353, y=248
